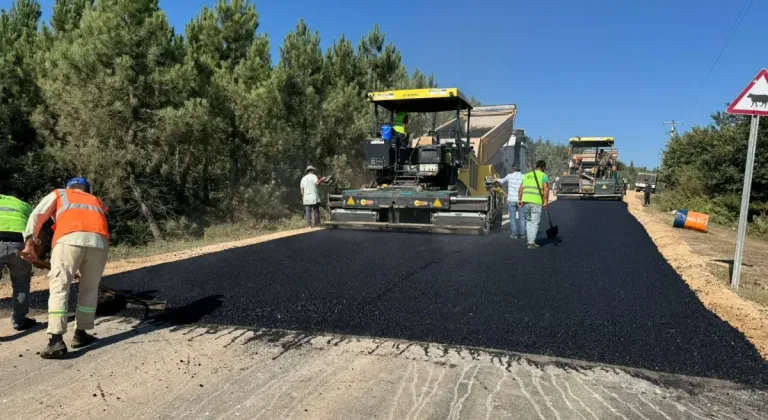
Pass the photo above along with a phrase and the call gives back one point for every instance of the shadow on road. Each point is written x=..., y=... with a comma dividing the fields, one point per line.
x=605, y=294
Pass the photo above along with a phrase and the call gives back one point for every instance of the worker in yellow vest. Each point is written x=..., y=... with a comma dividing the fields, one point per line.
x=14, y=214
x=534, y=197
x=401, y=128
x=401, y=123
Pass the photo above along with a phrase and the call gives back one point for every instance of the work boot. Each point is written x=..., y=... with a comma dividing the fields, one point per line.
x=56, y=349
x=82, y=339
x=26, y=324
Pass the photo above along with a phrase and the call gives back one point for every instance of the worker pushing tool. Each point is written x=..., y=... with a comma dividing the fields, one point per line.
x=80, y=243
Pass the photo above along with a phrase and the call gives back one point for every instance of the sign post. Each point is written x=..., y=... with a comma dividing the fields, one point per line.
x=753, y=101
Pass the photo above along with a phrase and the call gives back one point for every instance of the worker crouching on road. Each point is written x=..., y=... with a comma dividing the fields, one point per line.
x=534, y=197
x=310, y=196
x=80, y=243
x=14, y=214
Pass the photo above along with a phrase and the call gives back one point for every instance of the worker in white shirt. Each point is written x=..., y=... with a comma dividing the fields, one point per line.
x=514, y=180
x=310, y=196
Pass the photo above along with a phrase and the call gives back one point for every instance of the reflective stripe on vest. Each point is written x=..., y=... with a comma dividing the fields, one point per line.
x=78, y=211
x=14, y=214
x=531, y=192
x=399, y=125
x=66, y=205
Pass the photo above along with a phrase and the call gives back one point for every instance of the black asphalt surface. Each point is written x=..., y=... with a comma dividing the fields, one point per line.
x=602, y=294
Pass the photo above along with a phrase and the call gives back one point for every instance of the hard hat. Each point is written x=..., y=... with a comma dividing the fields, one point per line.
x=310, y=168
x=79, y=181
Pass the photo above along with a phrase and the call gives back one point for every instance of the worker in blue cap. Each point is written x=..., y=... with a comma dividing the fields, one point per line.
x=80, y=243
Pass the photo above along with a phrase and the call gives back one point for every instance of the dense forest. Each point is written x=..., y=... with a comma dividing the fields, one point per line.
x=177, y=131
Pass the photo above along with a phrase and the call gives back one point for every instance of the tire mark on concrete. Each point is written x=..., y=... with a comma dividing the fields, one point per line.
x=396, y=401
x=537, y=384
x=616, y=397
x=654, y=407
x=269, y=386
x=221, y=389
x=600, y=399
x=456, y=410
x=682, y=409
x=570, y=392
x=456, y=390
x=321, y=383
x=528, y=396
x=417, y=400
x=489, y=400
x=562, y=393
x=435, y=388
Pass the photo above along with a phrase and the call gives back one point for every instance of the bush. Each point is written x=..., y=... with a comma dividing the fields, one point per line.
x=759, y=226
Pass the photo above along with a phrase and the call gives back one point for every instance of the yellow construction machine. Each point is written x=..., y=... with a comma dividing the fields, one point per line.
x=432, y=182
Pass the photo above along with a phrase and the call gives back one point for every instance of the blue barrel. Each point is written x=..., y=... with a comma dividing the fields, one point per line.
x=386, y=131
x=680, y=217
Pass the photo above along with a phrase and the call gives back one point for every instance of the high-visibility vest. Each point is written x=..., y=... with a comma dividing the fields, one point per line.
x=78, y=211
x=399, y=125
x=14, y=214
x=531, y=192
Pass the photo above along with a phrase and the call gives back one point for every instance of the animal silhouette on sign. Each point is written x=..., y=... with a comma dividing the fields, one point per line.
x=758, y=99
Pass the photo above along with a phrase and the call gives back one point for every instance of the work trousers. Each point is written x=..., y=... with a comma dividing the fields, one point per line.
x=532, y=219
x=517, y=226
x=312, y=210
x=21, y=275
x=66, y=261
x=647, y=199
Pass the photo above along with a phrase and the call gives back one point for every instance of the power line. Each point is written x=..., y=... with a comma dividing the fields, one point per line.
x=743, y=12
x=739, y=19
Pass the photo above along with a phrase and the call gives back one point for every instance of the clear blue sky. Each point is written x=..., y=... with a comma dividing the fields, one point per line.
x=588, y=68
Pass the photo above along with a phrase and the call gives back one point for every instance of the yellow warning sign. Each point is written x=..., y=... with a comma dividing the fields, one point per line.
x=351, y=202
x=605, y=187
x=418, y=203
x=437, y=203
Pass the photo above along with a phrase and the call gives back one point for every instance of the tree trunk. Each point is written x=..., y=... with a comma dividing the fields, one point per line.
x=138, y=196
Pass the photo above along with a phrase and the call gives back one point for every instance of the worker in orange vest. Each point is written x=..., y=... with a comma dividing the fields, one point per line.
x=80, y=243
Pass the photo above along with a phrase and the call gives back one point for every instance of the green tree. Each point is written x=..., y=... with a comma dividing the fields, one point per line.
x=115, y=72
x=19, y=96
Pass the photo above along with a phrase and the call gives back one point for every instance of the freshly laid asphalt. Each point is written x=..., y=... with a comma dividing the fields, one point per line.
x=602, y=293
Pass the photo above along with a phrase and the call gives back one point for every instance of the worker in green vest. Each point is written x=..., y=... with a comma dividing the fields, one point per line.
x=13, y=221
x=534, y=197
x=401, y=123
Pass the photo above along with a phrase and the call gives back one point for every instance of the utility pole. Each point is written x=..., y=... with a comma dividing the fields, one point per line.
x=673, y=127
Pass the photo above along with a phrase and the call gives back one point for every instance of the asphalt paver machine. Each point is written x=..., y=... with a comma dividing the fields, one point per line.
x=592, y=170
x=434, y=183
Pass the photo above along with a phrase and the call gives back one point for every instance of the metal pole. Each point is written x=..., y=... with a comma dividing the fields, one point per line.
x=753, y=128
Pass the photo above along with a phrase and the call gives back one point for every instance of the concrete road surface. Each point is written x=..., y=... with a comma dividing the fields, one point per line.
x=348, y=324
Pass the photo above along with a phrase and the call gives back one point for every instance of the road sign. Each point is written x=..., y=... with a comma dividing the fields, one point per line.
x=753, y=100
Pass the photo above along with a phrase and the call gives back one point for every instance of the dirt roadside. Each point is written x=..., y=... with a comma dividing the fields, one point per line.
x=696, y=268
x=41, y=282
